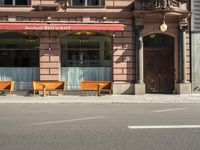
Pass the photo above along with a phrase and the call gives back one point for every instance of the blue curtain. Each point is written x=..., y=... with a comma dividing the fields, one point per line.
x=23, y=76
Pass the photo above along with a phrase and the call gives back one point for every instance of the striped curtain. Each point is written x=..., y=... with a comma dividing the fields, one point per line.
x=74, y=75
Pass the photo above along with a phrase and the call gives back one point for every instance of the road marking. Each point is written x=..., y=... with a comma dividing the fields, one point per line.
x=165, y=127
x=70, y=120
x=166, y=110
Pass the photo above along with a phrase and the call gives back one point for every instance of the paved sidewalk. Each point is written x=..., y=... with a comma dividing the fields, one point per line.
x=148, y=98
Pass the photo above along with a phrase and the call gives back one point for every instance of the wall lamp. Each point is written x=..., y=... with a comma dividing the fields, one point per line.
x=48, y=19
x=163, y=26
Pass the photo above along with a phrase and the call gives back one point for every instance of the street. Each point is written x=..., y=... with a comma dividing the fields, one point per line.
x=99, y=126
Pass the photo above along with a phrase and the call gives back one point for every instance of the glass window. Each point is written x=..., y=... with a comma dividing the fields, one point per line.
x=14, y=2
x=14, y=40
x=87, y=2
x=93, y=2
x=18, y=50
x=8, y=2
x=19, y=58
x=86, y=49
x=78, y=2
x=1, y=2
x=21, y=2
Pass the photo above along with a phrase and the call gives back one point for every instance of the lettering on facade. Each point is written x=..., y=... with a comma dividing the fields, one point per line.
x=47, y=28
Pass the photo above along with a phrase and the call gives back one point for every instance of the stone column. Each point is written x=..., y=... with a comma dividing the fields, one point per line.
x=50, y=64
x=184, y=86
x=139, y=87
x=182, y=54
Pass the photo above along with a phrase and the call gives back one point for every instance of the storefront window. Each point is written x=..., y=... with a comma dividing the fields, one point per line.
x=86, y=49
x=18, y=50
x=19, y=58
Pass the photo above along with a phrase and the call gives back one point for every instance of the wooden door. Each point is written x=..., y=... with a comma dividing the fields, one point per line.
x=165, y=72
x=158, y=71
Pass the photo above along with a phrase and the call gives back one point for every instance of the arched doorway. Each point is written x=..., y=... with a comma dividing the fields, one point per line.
x=19, y=59
x=159, y=63
x=86, y=56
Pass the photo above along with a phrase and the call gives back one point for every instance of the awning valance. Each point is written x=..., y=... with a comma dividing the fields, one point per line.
x=52, y=27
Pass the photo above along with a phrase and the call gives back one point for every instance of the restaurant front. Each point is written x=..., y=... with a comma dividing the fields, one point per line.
x=49, y=52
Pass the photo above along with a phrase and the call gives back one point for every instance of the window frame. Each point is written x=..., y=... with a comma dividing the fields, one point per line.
x=29, y=2
x=101, y=4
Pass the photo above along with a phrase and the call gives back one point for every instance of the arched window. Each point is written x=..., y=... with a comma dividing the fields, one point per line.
x=19, y=59
x=86, y=56
x=86, y=49
x=158, y=41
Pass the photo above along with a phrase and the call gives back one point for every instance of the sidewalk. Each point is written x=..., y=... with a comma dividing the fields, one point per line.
x=148, y=98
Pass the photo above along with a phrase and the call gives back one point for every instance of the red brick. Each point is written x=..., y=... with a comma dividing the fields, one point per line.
x=117, y=71
x=55, y=46
x=123, y=77
x=49, y=65
x=54, y=71
x=47, y=52
x=49, y=77
x=129, y=71
x=118, y=34
x=128, y=34
x=123, y=65
x=124, y=52
x=44, y=46
x=122, y=40
x=54, y=59
x=44, y=71
x=117, y=58
x=44, y=58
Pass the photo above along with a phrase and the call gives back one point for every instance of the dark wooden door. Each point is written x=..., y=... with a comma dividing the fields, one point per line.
x=158, y=71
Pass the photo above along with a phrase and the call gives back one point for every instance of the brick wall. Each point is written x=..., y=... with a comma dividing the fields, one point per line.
x=124, y=54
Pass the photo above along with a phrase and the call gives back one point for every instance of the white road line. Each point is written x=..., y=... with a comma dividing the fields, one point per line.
x=64, y=121
x=165, y=127
x=166, y=110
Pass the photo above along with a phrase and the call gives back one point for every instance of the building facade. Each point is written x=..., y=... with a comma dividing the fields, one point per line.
x=195, y=39
x=142, y=45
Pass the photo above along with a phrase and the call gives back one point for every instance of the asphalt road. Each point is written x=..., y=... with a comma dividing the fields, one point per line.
x=99, y=127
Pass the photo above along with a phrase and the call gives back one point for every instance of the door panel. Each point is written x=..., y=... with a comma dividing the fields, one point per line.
x=159, y=63
x=158, y=71
x=165, y=72
x=150, y=71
